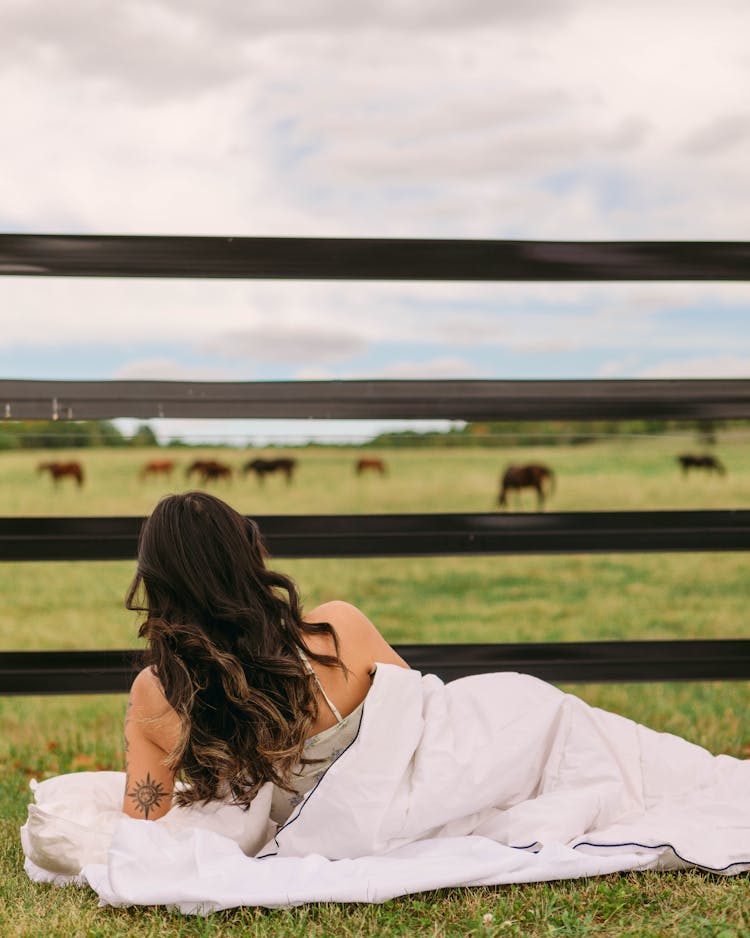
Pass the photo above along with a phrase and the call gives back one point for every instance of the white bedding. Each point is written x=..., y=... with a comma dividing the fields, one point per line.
x=492, y=779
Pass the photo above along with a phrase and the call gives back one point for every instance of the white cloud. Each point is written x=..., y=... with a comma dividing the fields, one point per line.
x=721, y=134
x=618, y=368
x=166, y=369
x=447, y=366
x=287, y=342
x=719, y=366
x=237, y=327
x=394, y=118
x=517, y=151
x=562, y=119
x=442, y=367
x=149, y=50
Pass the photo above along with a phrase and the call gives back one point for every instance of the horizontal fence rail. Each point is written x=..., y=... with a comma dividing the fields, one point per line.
x=111, y=538
x=663, y=399
x=34, y=255
x=106, y=672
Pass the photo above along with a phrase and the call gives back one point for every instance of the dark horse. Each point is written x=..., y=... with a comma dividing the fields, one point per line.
x=209, y=469
x=701, y=461
x=376, y=465
x=264, y=467
x=522, y=477
x=60, y=470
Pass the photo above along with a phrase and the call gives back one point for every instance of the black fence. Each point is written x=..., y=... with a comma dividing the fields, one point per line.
x=100, y=672
x=35, y=539
x=413, y=535
x=369, y=258
x=368, y=400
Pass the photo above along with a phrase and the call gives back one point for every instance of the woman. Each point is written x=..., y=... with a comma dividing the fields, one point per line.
x=241, y=689
x=495, y=778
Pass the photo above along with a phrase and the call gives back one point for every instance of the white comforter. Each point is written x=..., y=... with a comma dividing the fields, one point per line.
x=491, y=779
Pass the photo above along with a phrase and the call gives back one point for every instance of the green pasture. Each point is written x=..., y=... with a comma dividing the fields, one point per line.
x=79, y=605
x=614, y=475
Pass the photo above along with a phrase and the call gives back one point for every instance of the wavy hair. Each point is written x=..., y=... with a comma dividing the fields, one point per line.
x=224, y=634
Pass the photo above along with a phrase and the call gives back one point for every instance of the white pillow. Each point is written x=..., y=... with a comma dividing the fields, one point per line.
x=74, y=816
x=72, y=820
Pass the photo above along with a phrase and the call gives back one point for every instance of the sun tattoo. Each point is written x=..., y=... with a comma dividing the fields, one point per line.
x=147, y=794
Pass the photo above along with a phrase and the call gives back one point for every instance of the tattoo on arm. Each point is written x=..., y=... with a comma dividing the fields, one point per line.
x=147, y=794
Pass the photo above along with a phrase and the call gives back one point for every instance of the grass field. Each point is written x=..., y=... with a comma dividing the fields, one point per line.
x=69, y=605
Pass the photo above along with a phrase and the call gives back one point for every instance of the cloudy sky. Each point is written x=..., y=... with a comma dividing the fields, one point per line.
x=548, y=119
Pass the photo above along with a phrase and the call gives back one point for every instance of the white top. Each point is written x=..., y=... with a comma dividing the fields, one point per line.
x=324, y=747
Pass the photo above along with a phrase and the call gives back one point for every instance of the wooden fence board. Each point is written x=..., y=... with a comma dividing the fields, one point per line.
x=398, y=535
x=104, y=672
x=664, y=399
x=33, y=255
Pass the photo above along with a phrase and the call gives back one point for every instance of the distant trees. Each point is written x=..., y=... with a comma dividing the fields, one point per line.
x=144, y=436
x=548, y=432
x=69, y=434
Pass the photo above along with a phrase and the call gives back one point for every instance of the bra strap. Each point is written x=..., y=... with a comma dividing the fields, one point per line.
x=331, y=704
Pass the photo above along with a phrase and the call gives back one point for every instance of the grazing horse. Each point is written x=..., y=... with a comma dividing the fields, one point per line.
x=158, y=467
x=264, y=467
x=209, y=469
x=533, y=476
x=59, y=470
x=701, y=461
x=376, y=465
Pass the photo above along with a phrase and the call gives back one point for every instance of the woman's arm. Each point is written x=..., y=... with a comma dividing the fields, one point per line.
x=151, y=730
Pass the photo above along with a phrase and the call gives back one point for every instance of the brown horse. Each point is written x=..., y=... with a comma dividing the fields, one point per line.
x=701, y=461
x=158, y=467
x=374, y=465
x=208, y=470
x=61, y=470
x=264, y=467
x=533, y=476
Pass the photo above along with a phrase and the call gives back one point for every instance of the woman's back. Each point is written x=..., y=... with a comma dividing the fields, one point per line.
x=361, y=647
x=341, y=696
x=155, y=727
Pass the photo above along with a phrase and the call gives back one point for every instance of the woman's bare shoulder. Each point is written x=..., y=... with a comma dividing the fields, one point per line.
x=146, y=684
x=357, y=635
x=335, y=608
x=150, y=713
x=147, y=694
x=345, y=618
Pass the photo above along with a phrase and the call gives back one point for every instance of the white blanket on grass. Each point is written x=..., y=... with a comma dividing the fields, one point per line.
x=491, y=779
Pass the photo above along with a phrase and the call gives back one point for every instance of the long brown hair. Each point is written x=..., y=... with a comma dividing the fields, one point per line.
x=224, y=634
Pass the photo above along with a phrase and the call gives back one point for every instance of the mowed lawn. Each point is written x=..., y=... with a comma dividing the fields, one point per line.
x=72, y=605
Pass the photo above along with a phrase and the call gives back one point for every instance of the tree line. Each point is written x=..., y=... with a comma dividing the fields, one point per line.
x=68, y=434
x=549, y=432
